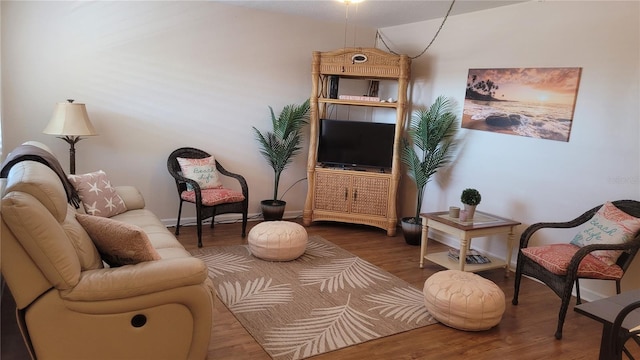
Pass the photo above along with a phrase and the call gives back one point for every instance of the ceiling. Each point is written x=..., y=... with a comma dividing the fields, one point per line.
x=372, y=13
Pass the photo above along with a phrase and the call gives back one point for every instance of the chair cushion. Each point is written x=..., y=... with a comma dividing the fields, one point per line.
x=203, y=171
x=211, y=197
x=119, y=243
x=609, y=225
x=556, y=258
x=98, y=196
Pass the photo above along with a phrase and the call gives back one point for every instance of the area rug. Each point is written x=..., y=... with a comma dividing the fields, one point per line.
x=325, y=300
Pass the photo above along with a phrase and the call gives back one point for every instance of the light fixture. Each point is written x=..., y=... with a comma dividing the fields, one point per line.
x=70, y=121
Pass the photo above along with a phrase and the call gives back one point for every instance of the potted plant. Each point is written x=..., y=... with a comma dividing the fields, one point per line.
x=470, y=198
x=278, y=147
x=431, y=140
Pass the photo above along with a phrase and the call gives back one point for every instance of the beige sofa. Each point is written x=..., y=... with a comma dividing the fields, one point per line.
x=71, y=306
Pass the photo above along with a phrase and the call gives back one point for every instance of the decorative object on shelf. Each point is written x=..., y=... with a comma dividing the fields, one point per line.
x=278, y=147
x=432, y=131
x=470, y=198
x=70, y=121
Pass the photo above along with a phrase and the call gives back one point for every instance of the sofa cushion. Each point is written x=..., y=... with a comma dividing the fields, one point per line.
x=609, y=225
x=87, y=253
x=203, y=171
x=98, y=196
x=39, y=181
x=118, y=243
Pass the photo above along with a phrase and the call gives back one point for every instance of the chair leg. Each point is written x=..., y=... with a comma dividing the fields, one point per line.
x=516, y=289
x=564, y=306
x=177, y=232
x=244, y=223
x=578, y=299
x=618, y=286
x=199, y=225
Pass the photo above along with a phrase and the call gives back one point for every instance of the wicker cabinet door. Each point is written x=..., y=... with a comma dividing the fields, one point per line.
x=332, y=192
x=370, y=195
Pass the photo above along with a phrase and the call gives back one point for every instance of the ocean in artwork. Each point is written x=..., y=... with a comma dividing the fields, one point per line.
x=536, y=120
x=531, y=102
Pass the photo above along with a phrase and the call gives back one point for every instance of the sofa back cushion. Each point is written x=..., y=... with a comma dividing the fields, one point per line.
x=42, y=237
x=42, y=183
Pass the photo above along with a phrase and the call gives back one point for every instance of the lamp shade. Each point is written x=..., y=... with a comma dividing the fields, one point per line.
x=70, y=119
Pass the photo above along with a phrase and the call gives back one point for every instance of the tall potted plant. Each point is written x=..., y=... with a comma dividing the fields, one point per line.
x=278, y=147
x=428, y=148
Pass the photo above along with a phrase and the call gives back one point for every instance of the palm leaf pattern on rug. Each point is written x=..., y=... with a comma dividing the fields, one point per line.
x=316, y=250
x=353, y=271
x=257, y=295
x=327, y=329
x=218, y=264
x=406, y=304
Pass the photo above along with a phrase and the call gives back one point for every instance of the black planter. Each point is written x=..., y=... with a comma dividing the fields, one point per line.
x=273, y=210
x=412, y=231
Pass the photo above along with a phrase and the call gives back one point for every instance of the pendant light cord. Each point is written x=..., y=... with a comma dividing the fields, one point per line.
x=379, y=36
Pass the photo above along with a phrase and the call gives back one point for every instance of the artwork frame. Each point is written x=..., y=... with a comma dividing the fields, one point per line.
x=531, y=102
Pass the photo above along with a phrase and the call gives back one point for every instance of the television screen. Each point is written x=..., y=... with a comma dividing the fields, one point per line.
x=355, y=143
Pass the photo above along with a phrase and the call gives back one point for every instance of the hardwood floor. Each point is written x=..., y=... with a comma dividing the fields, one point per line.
x=525, y=332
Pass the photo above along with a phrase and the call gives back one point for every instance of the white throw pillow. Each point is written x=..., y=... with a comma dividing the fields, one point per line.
x=203, y=171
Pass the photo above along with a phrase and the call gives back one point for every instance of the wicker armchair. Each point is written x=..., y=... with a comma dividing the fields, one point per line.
x=206, y=208
x=562, y=284
x=617, y=338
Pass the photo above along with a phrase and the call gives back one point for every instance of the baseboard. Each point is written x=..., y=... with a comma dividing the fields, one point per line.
x=227, y=218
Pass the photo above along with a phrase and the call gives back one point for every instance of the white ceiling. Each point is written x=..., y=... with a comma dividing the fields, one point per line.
x=372, y=13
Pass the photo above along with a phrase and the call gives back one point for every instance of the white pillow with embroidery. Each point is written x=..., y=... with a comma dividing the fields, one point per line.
x=609, y=225
x=203, y=171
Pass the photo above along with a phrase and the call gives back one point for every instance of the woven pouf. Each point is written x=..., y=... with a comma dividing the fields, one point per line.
x=464, y=300
x=278, y=240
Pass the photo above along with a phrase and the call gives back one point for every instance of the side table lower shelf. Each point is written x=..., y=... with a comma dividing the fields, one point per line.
x=443, y=259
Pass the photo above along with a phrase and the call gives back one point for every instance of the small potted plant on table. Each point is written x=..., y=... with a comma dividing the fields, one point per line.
x=278, y=147
x=470, y=198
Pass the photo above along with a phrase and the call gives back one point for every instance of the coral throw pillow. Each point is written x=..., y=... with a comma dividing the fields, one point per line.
x=609, y=225
x=118, y=243
x=98, y=196
x=203, y=171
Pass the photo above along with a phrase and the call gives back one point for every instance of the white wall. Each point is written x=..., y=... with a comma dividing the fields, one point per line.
x=156, y=76
x=529, y=179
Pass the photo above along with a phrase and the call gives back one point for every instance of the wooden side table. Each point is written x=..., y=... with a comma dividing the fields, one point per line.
x=483, y=224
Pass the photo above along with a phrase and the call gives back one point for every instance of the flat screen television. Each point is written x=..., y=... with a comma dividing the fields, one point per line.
x=355, y=143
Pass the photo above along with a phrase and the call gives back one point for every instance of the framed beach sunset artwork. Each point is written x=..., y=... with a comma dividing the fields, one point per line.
x=532, y=102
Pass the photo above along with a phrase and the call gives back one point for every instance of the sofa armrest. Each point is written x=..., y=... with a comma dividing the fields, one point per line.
x=132, y=197
x=135, y=280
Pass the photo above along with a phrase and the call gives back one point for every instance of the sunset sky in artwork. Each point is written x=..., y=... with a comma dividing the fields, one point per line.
x=544, y=85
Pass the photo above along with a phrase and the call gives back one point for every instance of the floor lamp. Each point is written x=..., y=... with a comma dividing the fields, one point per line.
x=70, y=121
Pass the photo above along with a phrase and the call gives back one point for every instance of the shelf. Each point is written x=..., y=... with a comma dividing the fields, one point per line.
x=392, y=105
x=443, y=259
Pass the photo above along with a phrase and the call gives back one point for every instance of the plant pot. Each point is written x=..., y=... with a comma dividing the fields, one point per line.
x=471, y=210
x=272, y=210
x=412, y=231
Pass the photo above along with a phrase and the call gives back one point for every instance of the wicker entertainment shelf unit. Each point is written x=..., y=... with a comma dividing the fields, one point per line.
x=362, y=196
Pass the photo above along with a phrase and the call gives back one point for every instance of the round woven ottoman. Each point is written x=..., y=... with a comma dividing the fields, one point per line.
x=278, y=240
x=464, y=300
